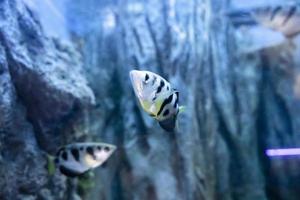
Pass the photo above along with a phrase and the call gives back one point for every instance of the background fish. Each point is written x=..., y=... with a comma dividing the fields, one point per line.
x=157, y=97
x=75, y=159
x=282, y=18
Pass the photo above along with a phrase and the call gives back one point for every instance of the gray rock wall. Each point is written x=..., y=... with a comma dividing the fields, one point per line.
x=43, y=94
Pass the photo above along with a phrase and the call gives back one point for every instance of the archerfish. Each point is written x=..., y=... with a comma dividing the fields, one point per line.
x=75, y=159
x=157, y=97
x=282, y=18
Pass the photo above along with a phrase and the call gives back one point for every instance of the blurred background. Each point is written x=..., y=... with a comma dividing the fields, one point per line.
x=64, y=77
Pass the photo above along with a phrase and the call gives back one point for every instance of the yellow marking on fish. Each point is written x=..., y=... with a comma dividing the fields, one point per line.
x=90, y=161
x=148, y=107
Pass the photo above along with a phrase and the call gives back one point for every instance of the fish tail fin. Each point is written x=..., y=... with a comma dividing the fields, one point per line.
x=50, y=164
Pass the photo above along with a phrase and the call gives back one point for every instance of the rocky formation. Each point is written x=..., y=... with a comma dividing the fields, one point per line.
x=43, y=94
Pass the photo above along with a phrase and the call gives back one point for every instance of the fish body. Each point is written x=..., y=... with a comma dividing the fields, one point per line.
x=75, y=159
x=157, y=97
x=282, y=18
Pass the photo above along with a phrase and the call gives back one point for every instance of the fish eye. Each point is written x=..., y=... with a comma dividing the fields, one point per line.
x=99, y=148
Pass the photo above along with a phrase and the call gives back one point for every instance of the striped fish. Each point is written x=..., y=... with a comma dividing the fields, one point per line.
x=157, y=97
x=75, y=159
x=282, y=18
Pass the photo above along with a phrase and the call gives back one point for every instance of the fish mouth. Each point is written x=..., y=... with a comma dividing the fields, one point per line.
x=134, y=74
x=113, y=148
x=136, y=81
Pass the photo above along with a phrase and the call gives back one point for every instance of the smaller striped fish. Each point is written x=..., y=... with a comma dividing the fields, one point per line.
x=75, y=159
x=157, y=97
x=282, y=18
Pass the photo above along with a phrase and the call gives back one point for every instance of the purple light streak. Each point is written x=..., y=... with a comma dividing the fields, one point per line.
x=283, y=152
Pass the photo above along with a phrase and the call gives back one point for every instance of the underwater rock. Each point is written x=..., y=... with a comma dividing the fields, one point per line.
x=46, y=73
x=42, y=91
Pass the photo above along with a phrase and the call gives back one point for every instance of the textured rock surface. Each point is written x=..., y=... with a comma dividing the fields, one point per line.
x=42, y=93
x=238, y=105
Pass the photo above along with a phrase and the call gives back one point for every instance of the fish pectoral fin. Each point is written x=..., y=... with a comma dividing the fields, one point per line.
x=182, y=109
x=168, y=124
x=50, y=165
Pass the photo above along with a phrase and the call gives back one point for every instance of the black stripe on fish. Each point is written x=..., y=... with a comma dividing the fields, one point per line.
x=274, y=12
x=289, y=15
x=166, y=101
x=106, y=148
x=90, y=151
x=154, y=80
x=166, y=112
x=146, y=77
x=177, y=99
x=64, y=155
x=161, y=85
x=68, y=172
x=75, y=154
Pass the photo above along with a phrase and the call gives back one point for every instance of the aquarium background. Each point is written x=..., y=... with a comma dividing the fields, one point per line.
x=64, y=78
